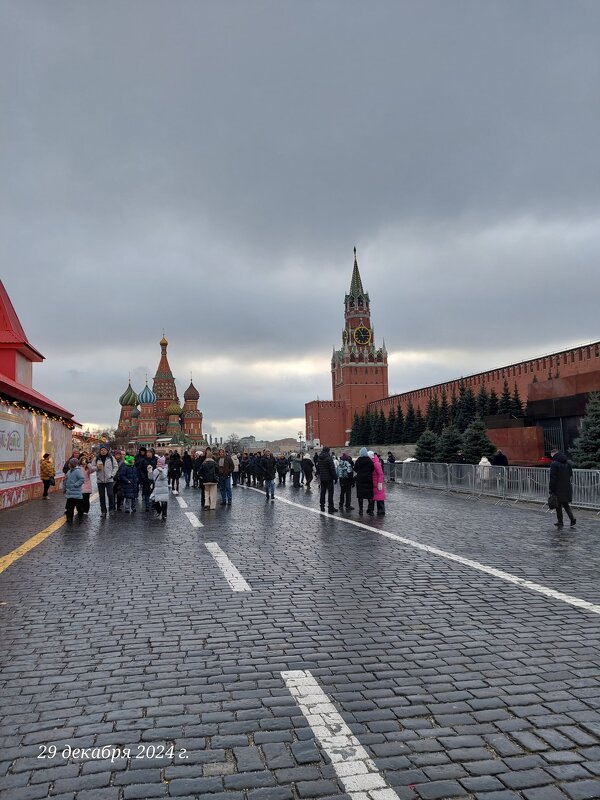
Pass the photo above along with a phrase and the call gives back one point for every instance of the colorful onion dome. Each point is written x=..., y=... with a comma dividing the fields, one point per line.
x=129, y=397
x=191, y=393
x=135, y=413
x=173, y=408
x=147, y=396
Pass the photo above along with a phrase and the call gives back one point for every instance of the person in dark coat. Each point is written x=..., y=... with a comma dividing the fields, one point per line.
x=499, y=459
x=327, y=477
x=174, y=471
x=187, y=464
x=142, y=463
x=308, y=468
x=364, y=468
x=198, y=459
x=282, y=467
x=268, y=465
x=561, y=476
x=128, y=480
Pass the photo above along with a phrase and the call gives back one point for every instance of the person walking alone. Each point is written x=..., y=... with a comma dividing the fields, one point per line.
x=187, y=464
x=308, y=468
x=561, y=477
x=47, y=473
x=364, y=468
x=328, y=477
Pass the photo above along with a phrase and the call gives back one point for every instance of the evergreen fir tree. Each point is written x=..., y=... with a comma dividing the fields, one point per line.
x=444, y=415
x=516, y=406
x=476, y=443
x=390, y=427
x=409, y=424
x=493, y=404
x=427, y=446
x=399, y=429
x=505, y=405
x=449, y=443
x=433, y=413
x=586, y=450
x=420, y=425
x=366, y=428
x=467, y=408
x=453, y=408
x=355, y=432
x=483, y=400
x=378, y=436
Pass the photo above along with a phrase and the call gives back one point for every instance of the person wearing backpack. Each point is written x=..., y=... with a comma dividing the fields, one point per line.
x=345, y=475
x=209, y=475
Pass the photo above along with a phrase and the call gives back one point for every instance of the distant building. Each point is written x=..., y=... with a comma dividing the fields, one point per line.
x=154, y=418
x=30, y=424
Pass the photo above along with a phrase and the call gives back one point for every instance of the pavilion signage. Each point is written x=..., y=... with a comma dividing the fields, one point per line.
x=12, y=443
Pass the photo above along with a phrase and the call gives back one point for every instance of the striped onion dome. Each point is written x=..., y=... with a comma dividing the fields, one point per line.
x=129, y=397
x=147, y=395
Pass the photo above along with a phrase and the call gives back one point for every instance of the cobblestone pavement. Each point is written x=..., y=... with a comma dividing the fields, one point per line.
x=123, y=632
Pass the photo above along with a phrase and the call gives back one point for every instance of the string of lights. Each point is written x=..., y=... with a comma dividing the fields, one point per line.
x=39, y=412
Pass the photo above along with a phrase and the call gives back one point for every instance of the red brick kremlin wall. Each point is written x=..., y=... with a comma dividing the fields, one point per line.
x=570, y=365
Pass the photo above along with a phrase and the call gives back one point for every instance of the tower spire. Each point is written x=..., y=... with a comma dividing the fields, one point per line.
x=356, y=287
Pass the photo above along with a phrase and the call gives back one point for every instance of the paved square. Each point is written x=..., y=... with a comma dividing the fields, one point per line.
x=125, y=634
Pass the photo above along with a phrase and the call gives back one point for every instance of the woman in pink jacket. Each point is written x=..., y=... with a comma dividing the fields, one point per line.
x=86, y=488
x=378, y=484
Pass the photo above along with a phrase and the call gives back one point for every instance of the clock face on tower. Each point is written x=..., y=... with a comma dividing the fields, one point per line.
x=362, y=335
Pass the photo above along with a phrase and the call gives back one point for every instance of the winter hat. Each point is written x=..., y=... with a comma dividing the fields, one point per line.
x=129, y=460
x=363, y=451
x=371, y=454
x=344, y=457
x=160, y=461
x=73, y=462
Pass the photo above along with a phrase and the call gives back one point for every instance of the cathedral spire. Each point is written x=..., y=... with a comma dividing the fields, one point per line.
x=356, y=287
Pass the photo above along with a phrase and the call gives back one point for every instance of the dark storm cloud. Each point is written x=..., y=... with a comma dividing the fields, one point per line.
x=207, y=168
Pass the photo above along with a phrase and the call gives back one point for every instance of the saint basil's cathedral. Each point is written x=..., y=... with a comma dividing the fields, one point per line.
x=154, y=417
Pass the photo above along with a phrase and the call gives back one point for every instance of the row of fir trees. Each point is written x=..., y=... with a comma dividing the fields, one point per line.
x=459, y=412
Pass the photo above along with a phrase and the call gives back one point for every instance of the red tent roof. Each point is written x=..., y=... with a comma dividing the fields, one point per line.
x=24, y=394
x=11, y=331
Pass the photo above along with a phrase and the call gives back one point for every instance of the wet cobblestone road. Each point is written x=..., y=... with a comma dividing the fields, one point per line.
x=124, y=632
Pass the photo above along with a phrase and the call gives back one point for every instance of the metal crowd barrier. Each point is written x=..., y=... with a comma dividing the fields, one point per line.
x=504, y=483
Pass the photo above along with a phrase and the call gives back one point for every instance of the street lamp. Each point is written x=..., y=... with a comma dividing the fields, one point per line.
x=300, y=440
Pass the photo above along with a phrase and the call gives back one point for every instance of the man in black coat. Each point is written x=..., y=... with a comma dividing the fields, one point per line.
x=561, y=475
x=499, y=459
x=328, y=477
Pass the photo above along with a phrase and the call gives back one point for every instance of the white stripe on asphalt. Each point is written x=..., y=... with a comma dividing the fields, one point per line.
x=193, y=519
x=578, y=602
x=181, y=501
x=232, y=576
x=357, y=772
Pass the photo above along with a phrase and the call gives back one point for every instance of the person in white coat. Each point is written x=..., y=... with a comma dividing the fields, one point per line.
x=160, y=493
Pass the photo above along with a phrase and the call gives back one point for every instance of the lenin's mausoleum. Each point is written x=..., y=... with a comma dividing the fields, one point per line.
x=30, y=424
x=554, y=387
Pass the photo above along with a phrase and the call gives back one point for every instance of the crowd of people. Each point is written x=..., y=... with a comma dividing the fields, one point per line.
x=124, y=479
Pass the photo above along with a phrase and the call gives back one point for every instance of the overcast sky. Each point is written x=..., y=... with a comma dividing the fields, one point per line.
x=207, y=168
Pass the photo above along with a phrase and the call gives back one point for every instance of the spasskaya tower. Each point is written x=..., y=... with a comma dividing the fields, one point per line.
x=359, y=371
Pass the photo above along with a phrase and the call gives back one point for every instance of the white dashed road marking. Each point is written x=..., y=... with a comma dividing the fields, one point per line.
x=357, y=772
x=181, y=501
x=194, y=519
x=232, y=575
x=467, y=562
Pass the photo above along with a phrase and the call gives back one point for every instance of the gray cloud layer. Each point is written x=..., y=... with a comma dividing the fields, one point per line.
x=207, y=168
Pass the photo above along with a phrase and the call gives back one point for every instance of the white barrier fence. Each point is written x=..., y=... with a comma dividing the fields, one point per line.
x=505, y=483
